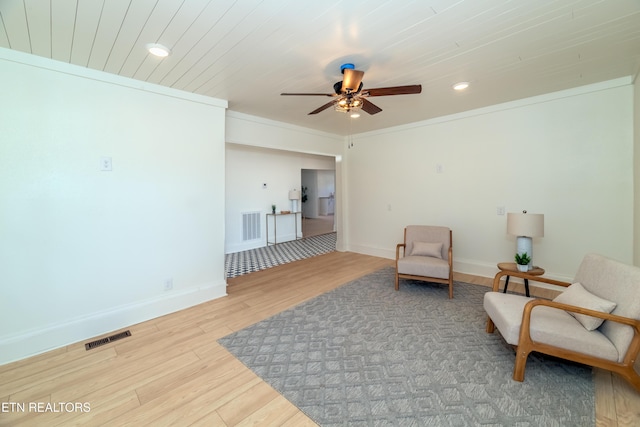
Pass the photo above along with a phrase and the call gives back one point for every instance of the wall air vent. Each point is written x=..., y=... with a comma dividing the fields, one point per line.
x=103, y=341
x=250, y=226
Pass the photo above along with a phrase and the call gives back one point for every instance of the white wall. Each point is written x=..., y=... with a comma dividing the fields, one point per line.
x=326, y=183
x=310, y=181
x=247, y=169
x=567, y=155
x=258, y=132
x=320, y=184
x=83, y=251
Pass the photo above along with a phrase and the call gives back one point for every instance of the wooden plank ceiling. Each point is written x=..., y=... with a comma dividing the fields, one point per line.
x=249, y=51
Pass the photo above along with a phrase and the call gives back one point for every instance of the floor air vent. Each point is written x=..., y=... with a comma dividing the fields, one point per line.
x=103, y=341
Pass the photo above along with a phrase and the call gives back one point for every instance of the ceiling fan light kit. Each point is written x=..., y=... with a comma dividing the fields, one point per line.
x=350, y=95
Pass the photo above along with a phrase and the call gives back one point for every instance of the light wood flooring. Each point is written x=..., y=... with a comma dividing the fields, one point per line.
x=171, y=371
x=317, y=226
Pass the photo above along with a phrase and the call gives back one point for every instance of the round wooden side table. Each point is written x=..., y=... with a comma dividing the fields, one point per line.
x=511, y=266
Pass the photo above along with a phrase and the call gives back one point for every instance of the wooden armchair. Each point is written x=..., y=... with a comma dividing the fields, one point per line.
x=595, y=321
x=427, y=255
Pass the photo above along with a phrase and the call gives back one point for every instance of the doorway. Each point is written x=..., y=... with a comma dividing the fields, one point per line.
x=318, y=201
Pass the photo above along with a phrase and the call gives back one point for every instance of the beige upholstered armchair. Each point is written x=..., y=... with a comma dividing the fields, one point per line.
x=595, y=321
x=426, y=255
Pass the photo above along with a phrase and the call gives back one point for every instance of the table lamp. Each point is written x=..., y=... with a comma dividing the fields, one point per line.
x=294, y=196
x=525, y=226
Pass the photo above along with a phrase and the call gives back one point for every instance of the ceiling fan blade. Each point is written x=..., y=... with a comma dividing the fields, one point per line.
x=396, y=90
x=307, y=94
x=370, y=107
x=352, y=80
x=324, y=107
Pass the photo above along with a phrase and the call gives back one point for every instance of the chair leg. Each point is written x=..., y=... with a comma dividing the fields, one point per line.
x=397, y=281
x=521, y=364
x=450, y=289
x=490, y=326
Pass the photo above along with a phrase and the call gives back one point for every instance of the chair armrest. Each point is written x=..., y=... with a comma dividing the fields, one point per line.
x=528, y=309
x=541, y=279
x=581, y=310
x=398, y=246
x=624, y=365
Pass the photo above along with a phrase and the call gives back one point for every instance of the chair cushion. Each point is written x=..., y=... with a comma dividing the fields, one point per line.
x=506, y=312
x=427, y=249
x=424, y=266
x=427, y=233
x=577, y=295
x=548, y=325
x=617, y=282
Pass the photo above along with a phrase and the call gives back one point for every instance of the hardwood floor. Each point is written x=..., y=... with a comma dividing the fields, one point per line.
x=316, y=226
x=171, y=371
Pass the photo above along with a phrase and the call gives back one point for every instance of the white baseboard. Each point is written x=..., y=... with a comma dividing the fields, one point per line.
x=369, y=250
x=246, y=246
x=260, y=243
x=489, y=270
x=475, y=268
x=285, y=237
x=461, y=265
x=38, y=341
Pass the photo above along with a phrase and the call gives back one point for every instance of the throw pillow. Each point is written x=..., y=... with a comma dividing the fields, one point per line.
x=427, y=249
x=577, y=295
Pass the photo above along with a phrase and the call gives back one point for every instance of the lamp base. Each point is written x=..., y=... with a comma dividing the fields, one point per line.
x=525, y=244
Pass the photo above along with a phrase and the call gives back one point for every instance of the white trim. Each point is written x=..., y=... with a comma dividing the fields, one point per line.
x=373, y=251
x=519, y=103
x=464, y=266
x=275, y=143
x=101, y=76
x=274, y=123
x=82, y=328
x=261, y=243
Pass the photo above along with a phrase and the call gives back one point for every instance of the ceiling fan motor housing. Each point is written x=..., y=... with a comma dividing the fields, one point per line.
x=347, y=65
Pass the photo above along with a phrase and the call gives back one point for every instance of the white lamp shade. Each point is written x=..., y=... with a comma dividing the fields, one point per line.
x=294, y=195
x=525, y=224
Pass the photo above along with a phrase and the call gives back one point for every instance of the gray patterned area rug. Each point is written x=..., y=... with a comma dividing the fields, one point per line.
x=366, y=355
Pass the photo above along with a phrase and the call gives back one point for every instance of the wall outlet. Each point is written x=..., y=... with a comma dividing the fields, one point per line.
x=168, y=284
x=500, y=210
x=105, y=164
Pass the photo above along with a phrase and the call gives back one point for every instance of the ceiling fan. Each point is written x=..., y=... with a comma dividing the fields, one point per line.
x=351, y=97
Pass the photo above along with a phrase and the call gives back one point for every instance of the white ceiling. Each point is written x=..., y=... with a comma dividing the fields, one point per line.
x=249, y=51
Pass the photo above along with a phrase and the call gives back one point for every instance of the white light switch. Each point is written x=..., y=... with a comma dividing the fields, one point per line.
x=439, y=168
x=105, y=164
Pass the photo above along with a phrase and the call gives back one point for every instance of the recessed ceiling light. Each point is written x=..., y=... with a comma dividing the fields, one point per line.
x=158, y=50
x=461, y=86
